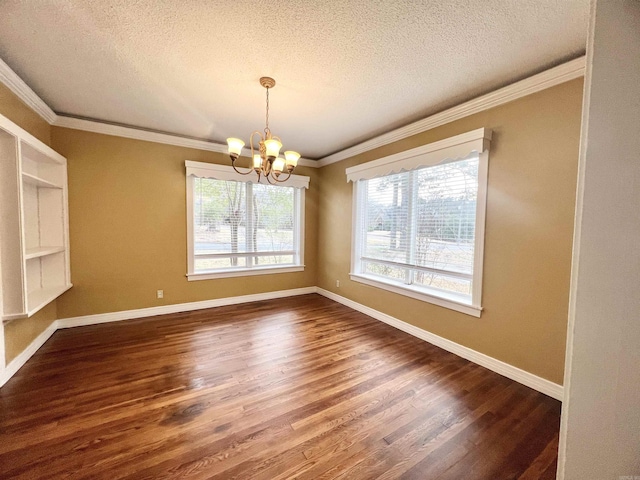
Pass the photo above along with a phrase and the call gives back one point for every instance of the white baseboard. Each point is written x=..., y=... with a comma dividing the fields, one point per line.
x=514, y=373
x=530, y=380
x=17, y=363
x=178, y=307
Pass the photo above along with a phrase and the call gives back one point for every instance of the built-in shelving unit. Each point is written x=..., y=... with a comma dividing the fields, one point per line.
x=34, y=233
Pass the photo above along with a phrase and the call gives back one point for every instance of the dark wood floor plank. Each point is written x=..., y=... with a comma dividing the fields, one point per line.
x=423, y=458
x=298, y=387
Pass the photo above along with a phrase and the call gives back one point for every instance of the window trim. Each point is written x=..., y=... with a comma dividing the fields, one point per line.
x=448, y=150
x=226, y=173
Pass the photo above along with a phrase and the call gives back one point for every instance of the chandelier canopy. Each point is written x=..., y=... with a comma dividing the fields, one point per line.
x=267, y=160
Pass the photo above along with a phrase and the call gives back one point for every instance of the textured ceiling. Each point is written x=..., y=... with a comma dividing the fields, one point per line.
x=345, y=70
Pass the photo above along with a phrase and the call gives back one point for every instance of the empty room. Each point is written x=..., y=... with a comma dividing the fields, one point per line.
x=319, y=240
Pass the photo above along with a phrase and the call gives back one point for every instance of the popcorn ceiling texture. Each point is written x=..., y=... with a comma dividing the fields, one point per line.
x=345, y=70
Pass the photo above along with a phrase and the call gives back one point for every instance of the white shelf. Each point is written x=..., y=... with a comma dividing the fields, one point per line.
x=38, y=182
x=10, y=318
x=38, y=252
x=39, y=298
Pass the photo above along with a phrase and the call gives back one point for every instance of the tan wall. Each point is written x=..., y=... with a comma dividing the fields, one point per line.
x=529, y=228
x=22, y=115
x=20, y=333
x=128, y=233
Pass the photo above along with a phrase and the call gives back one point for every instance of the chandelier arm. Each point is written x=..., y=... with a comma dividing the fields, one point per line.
x=251, y=138
x=269, y=180
x=281, y=181
x=233, y=164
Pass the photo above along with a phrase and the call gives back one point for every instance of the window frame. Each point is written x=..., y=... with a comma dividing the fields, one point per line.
x=453, y=149
x=225, y=173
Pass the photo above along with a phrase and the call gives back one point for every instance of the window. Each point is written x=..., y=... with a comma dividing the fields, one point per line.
x=237, y=226
x=419, y=227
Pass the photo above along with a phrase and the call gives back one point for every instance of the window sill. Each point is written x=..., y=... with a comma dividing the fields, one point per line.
x=450, y=302
x=244, y=272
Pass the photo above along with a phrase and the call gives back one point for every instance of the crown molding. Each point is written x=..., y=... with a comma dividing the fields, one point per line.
x=136, y=134
x=151, y=136
x=536, y=83
x=14, y=83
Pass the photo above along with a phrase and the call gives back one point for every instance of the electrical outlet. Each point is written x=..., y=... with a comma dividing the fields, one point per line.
x=160, y=294
x=338, y=283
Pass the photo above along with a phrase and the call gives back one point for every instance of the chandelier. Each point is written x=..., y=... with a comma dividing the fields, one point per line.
x=267, y=161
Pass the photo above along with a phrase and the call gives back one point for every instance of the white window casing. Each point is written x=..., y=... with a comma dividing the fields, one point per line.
x=225, y=172
x=471, y=148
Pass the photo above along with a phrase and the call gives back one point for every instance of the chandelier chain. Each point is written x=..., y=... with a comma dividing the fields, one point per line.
x=266, y=130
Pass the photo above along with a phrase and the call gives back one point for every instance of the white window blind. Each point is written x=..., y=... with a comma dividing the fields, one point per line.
x=237, y=226
x=420, y=226
x=417, y=230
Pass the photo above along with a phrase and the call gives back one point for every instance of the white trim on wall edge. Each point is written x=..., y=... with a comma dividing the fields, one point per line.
x=151, y=136
x=536, y=83
x=136, y=133
x=19, y=87
x=179, y=307
x=17, y=363
x=514, y=373
x=530, y=380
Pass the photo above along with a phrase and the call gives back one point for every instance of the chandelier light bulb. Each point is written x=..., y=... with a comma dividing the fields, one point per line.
x=291, y=158
x=235, y=147
x=278, y=165
x=273, y=147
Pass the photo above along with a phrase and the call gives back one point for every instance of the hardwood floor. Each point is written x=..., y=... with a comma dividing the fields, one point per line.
x=301, y=387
